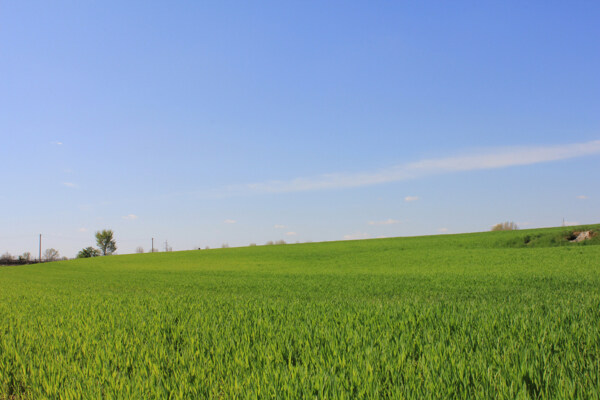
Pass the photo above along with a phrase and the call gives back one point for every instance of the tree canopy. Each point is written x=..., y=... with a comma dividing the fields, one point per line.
x=51, y=255
x=88, y=252
x=106, y=242
x=505, y=226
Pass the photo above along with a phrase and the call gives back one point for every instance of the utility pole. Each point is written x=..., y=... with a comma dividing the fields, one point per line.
x=152, y=248
x=40, y=248
x=166, y=246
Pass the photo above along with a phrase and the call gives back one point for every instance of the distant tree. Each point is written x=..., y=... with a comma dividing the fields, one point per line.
x=106, y=242
x=280, y=242
x=51, y=255
x=252, y=244
x=224, y=245
x=505, y=226
x=269, y=243
x=139, y=249
x=26, y=257
x=88, y=252
x=207, y=248
x=6, y=258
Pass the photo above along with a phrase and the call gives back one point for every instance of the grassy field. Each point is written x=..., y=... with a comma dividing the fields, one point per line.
x=485, y=315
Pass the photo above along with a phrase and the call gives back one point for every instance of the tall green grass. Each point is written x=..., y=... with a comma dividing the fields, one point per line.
x=487, y=315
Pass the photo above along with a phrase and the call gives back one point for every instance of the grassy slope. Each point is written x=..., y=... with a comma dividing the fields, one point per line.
x=474, y=315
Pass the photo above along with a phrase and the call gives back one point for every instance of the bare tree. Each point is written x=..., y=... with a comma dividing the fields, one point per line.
x=25, y=257
x=6, y=258
x=269, y=243
x=252, y=244
x=280, y=242
x=505, y=226
x=51, y=255
x=224, y=245
x=139, y=249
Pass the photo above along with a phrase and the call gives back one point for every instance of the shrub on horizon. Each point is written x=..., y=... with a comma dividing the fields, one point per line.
x=505, y=226
x=88, y=252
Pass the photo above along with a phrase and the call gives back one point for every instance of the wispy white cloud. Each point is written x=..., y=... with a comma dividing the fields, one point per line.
x=583, y=197
x=130, y=217
x=356, y=236
x=230, y=221
x=69, y=184
x=82, y=229
x=57, y=143
x=277, y=226
x=443, y=230
x=389, y=221
x=408, y=199
x=290, y=233
x=486, y=159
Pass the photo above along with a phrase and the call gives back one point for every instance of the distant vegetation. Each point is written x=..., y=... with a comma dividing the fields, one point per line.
x=51, y=255
x=25, y=258
x=88, y=252
x=510, y=314
x=505, y=226
x=106, y=243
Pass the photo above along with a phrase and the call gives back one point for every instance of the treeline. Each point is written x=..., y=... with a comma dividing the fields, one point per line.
x=25, y=258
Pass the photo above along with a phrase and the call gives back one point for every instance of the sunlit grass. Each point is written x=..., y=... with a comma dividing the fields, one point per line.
x=479, y=315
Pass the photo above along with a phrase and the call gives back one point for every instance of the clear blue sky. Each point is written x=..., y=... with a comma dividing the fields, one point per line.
x=204, y=123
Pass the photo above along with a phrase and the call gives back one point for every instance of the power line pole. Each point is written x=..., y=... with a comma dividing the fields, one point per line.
x=40, y=248
x=152, y=248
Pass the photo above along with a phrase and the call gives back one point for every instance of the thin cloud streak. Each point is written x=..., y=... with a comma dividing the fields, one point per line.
x=492, y=159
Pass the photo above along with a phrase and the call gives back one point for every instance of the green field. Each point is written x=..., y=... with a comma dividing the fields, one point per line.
x=485, y=315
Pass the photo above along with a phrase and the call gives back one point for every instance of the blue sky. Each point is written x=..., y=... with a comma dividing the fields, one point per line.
x=204, y=123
